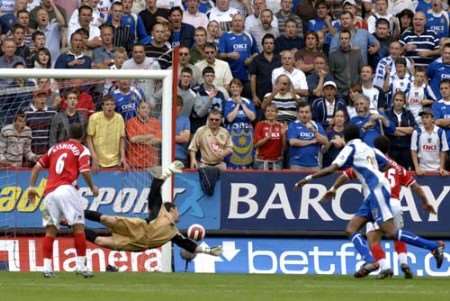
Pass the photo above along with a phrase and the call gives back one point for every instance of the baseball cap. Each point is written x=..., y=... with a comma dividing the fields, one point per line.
x=330, y=83
x=351, y=2
x=426, y=111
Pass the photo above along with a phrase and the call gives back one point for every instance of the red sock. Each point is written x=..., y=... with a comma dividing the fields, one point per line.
x=48, y=247
x=377, y=252
x=80, y=243
x=400, y=246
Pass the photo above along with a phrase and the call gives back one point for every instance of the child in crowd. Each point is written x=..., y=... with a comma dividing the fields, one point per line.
x=420, y=95
x=401, y=81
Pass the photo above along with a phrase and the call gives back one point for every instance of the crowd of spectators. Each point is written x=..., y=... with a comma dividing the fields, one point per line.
x=265, y=84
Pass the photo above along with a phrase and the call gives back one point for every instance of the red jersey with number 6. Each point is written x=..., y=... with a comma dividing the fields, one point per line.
x=64, y=162
x=397, y=175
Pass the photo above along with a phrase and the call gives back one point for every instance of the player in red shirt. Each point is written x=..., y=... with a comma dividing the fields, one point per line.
x=398, y=176
x=62, y=201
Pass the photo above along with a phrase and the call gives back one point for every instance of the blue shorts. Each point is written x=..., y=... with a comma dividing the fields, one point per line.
x=376, y=207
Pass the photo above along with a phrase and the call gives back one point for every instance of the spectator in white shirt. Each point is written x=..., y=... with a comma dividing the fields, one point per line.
x=296, y=76
x=429, y=146
x=84, y=21
x=223, y=14
x=192, y=16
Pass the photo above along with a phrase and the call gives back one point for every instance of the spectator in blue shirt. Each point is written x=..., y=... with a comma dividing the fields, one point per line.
x=74, y=58
x=239, y=113
x=371, y=123
x=306, y=138
x=182, y=134
x=127, y=99
x=438, y=19
x=238, y=48
x=182, y=33
x=439, y=70
x=441, y=110
x=323, y=21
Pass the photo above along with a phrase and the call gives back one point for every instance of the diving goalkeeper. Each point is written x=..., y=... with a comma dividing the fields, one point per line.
x=136, y=234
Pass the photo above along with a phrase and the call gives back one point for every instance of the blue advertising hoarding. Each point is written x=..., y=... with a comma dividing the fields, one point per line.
x=299, y=256
x=121, y=193
x=268, y=202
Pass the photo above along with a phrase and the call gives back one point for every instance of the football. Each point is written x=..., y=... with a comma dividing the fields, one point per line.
x=196, y=232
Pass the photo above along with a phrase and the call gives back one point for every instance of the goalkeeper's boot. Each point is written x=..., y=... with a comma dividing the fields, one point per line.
x=406, y=271
x=438, y=254
x=387, y=273
x=366, y=269
x=216, y=251
x=49, y=274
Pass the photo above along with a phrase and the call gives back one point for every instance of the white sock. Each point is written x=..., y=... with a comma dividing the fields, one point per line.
x=48, y=265
x=81, y=263
x=383, y=264
x=403, y=258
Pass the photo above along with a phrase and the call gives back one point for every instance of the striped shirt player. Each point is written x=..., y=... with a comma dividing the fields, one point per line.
x=436, y=72
x=242, y=43
x=429, y=146
x=380, y=72
x=15, y=145
x=428, y=40
x=439, y=23
x=39, y=121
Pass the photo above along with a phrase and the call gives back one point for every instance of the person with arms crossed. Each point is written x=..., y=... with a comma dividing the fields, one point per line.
x=366, y=163
x=62, y=202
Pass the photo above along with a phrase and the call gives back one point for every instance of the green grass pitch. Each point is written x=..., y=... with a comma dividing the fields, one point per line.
x=215, y=287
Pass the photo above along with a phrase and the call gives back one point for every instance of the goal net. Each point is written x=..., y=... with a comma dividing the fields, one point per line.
x=36, y=108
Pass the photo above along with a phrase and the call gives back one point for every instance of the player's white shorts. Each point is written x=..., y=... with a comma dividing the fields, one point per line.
x=63, y=203
x=397, y=212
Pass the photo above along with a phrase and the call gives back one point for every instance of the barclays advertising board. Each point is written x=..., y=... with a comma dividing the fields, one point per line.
x=299, y=256
x=268, y=202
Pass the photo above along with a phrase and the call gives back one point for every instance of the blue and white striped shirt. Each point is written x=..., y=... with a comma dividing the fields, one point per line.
x=428, y=40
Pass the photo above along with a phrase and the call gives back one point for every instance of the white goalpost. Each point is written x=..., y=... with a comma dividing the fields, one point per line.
x=166, y=114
